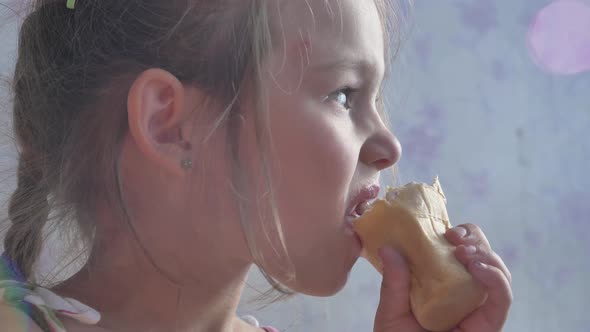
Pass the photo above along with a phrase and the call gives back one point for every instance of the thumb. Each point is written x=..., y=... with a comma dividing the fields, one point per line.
x=394, y=304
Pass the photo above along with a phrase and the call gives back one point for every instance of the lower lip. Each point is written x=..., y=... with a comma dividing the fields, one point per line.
x=350, y=229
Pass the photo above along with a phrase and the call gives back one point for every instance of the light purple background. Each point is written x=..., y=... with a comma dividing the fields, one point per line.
x=509, y=140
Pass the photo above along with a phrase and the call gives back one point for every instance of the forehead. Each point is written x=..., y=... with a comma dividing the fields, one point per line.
x=325, y=31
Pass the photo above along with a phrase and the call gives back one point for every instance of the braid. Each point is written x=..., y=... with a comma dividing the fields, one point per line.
x=28, y=211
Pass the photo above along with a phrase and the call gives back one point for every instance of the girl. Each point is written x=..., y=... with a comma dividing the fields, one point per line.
x=183, y=141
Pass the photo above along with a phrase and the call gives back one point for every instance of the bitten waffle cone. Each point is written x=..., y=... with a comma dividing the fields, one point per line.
x=413, y=219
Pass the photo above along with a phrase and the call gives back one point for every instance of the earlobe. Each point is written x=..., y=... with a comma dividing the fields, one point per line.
x=156, y=114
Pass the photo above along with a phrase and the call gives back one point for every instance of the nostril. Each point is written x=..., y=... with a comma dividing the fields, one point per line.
x=383, y=163
x=391, y=151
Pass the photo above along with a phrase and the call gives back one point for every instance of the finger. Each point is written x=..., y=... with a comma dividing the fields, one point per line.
x=472, y=235
x=395, y=288
x=468, y=234
x=494, y=311
x=466, y=254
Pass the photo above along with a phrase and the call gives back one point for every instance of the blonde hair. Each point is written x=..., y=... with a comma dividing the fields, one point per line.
x=70, y=84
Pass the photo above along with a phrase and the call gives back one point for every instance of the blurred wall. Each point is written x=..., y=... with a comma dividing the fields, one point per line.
x=507, y=136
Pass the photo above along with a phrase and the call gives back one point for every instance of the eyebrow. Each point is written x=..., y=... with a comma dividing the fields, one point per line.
x=365, y=68
x=359, y=65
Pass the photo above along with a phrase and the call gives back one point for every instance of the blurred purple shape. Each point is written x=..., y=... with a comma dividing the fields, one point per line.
x=477, y=184
x=559, y=37
x=479, y=15
x=510, y=254
x=575, y=211
x=532, y=239
x=423, y=140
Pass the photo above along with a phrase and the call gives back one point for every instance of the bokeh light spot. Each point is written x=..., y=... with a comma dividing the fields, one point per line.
x=559, y=37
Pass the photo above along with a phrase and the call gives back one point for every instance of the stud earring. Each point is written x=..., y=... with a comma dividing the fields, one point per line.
x=186, y=164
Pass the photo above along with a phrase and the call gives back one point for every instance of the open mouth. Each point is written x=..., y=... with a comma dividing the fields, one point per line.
x=361, y=200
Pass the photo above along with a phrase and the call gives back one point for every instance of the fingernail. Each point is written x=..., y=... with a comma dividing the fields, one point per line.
x=461, y=231
x=470, y=250
x=479, y=265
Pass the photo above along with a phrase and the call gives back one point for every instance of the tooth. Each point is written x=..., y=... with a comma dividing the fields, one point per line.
x=362, y=208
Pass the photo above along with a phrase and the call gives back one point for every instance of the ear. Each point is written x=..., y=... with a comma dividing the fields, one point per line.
x=158, y=119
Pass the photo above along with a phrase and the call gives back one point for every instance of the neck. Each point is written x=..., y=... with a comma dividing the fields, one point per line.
x=123, y=284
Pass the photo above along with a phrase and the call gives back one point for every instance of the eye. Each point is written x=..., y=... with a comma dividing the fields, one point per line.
x=342, y=97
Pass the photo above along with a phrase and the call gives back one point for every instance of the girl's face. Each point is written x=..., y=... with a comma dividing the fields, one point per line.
x=329, y=140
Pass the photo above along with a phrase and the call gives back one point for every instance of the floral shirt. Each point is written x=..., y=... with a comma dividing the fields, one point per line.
x=45, y=307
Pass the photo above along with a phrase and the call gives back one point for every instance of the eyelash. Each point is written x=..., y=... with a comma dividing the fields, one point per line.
x=348, y=92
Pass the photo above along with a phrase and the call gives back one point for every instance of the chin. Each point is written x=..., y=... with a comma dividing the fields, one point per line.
x=321, y=282
x=326, y=275
x=327, y=289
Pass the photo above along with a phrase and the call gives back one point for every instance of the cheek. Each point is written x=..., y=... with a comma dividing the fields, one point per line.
x=310, y=137
x=315, y=155
x=316, y=160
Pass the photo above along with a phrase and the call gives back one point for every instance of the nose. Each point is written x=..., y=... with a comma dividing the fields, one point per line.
x=382, y=149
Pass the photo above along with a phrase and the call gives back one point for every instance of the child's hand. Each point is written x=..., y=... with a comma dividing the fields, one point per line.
x=394, y=313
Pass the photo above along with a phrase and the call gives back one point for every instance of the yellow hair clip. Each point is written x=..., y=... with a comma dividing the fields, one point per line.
x=71, y=4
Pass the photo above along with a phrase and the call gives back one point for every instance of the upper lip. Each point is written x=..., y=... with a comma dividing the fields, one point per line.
x=364, y=194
